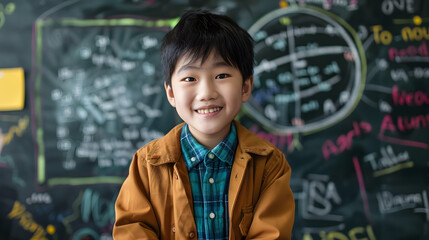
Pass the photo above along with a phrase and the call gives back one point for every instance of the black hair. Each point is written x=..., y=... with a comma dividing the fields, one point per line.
x=198, y=33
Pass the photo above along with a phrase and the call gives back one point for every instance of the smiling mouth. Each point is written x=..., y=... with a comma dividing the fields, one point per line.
x=208, y=110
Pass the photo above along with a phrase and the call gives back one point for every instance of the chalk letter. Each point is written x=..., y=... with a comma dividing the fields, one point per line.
x=328, y=148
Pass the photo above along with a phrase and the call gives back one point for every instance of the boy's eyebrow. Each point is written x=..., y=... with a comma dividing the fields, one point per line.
x=190, y=65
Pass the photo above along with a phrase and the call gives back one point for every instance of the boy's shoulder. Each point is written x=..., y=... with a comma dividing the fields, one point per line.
x=164, y=149
x=168, y=148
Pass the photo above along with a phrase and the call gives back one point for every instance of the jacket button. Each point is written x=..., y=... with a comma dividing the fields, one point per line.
x=173, y=229
x=191, y=235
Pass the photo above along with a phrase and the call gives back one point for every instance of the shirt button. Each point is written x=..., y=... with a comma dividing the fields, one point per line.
x=191, y=235
x=211, y=180
x=211, y=155
x=212, y=215
x=193, y=159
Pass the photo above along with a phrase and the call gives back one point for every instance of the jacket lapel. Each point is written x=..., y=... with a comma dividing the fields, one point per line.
x=248, y=144
x=168, y=152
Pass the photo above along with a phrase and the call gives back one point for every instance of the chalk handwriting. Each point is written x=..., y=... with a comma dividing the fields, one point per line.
x=356, y=233
x=381, y=36
x=96, y=208
x=408, y=53
x=26, y=221
x=279, y=141
x=147, y=136
x=420, y=73
x=91, y=207
x=148, y=42
x=399, y=75
x=389, y=202
x=328, y=4
x=407, y=34
x=149, y=111
x=389, y=6
x=99, y=103
x=415, y=34
x=113, y=62
x=401, y=98
x=16, y=130
x=148, y=90
x=388, y=162
x=102, y=42
x=39, y=198
x=425, y=208
x=318, y=199
x=344, y=142
x=403, y=124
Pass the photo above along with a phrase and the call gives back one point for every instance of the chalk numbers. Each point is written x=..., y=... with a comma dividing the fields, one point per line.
x=4, y=11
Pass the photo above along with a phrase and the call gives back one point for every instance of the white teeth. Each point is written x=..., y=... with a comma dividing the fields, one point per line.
x=205, y=111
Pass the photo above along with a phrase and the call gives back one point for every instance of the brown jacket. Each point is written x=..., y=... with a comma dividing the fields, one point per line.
x=155, y=201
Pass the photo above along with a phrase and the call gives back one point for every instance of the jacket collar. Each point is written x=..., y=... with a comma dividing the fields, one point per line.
x=167, y=149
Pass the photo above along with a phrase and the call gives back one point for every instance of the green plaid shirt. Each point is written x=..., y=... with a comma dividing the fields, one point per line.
x=209, y=173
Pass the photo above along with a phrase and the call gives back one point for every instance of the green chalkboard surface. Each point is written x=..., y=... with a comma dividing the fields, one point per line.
x=341, y=87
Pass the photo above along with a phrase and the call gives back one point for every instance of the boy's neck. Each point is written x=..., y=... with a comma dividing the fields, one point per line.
x=209, y=141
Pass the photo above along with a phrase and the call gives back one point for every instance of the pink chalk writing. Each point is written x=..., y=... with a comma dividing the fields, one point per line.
x=345, y=141
x=401, y=98
x=276, y=140
x=410, y=51
x=403, y=123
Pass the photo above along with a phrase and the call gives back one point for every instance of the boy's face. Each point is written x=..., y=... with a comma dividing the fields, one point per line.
x=207, y=96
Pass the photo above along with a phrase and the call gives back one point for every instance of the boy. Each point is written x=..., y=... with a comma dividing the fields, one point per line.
x=208, y=178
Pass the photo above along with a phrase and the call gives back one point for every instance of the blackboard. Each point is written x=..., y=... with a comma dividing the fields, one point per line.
x=341, y=87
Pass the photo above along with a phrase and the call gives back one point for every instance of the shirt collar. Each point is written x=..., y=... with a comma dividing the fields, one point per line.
x=194, y=153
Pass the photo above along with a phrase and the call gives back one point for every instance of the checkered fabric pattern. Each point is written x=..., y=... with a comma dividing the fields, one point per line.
x=209, y=172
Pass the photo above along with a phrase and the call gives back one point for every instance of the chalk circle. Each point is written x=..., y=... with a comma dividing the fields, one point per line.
x=309, y=73
x=85, y=234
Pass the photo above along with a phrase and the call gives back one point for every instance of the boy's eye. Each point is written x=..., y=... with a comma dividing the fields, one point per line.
x=221, y=76
x=189, y=79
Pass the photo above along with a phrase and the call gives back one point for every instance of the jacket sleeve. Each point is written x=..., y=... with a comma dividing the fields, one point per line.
x=135, y=218
x=274, y=212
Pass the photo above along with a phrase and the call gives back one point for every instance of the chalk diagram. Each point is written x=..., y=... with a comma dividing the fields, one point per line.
x=97, y=96
x=309, y=73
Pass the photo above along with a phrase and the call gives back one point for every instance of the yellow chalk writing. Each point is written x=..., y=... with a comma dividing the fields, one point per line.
x=356, y=233
x=415, y=33
x=26, y=221
x=385, y=37
x=16, y=130
x=381, y=35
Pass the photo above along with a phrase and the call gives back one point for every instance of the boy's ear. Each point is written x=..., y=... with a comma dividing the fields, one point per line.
x=170, y=94
x=247, y=89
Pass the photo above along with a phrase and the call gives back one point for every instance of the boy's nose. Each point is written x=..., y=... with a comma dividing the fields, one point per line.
x=207, y=90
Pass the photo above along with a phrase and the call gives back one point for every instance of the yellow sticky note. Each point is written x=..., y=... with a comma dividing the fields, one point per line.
x=12, y=89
